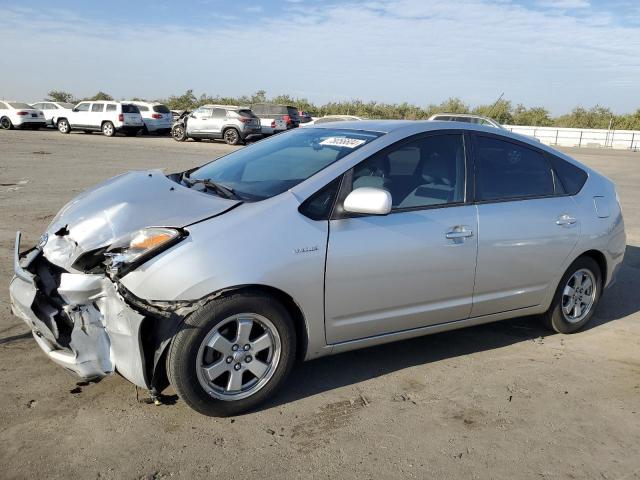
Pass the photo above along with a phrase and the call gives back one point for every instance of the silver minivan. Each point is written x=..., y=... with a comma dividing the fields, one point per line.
x=310, y=243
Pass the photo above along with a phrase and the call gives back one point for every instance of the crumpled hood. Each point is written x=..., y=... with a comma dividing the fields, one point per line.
x=122, y=205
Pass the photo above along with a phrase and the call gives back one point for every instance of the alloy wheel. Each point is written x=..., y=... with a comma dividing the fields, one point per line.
x=238, y=357
x=579, y=295
x=231, y=136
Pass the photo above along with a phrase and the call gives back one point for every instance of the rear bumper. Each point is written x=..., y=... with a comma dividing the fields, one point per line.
x=30, y=123
x=79, y=320
x=251, y=133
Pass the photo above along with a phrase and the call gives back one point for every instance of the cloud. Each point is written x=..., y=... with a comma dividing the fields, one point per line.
x=564, y=4
x=401, y=50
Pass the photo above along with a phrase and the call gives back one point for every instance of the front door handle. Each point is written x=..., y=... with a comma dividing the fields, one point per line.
x=565, y=220
x=460, y=231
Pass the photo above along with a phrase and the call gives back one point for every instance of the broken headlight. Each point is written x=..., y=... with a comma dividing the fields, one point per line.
x=135, y=248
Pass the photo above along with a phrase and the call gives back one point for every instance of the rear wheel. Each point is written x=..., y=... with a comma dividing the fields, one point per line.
x=576, y=297
x=232, y=354
x=108, y=130
x=63, y=126
x=179, y=133
x=5, y=123
x=231, y=136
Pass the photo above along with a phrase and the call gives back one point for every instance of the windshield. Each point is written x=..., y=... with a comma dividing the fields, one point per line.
x=270, y=167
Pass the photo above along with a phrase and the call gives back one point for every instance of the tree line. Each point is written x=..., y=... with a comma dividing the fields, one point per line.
x=503, y=110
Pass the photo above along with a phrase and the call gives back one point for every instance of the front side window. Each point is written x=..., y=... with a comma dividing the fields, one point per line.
x=424, y=172
x=270, y=167
x=203, y=112
x=508, y=170
x=97, y=107
x=83, y=107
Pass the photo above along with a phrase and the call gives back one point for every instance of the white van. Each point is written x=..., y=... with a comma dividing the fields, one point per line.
x=107, y=117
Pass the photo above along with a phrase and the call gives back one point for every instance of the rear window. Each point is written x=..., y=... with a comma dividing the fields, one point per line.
x=292, y=111
x=142, y=108
x=161, y=109
x=19, y=105
x=128, y=108
x=571, y=177
x=246, y=113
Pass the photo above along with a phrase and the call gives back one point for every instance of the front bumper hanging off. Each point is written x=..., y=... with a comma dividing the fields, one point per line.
x=79, y=320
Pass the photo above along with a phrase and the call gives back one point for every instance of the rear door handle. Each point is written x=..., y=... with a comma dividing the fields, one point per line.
x=565, y=220
x=460, y=231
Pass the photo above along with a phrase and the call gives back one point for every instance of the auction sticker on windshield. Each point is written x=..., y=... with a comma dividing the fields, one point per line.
x=343, y=142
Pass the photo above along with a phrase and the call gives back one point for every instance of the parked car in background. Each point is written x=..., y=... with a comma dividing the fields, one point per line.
x=276, y=118
x=53, y=110
x=157, y=117
x=314, y=242
x=466, y=118
x=305, y=117
x=230, y=123
x=107, y=117
x=332, y=118
x=20, y=115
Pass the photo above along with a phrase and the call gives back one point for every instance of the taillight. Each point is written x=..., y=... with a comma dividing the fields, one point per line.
x=287, y=119
x=121, y=117
x=22, y=114
x=157, y=116
x=245, y=119
x=273, y=124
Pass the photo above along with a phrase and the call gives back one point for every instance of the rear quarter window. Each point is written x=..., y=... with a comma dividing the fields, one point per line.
x=572, y=178
x=111, y=108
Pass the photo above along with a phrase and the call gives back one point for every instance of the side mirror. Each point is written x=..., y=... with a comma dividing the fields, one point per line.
x=74, y=109
x=368, y=200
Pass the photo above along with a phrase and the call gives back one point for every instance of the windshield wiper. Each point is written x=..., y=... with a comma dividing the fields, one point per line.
x=222, y=190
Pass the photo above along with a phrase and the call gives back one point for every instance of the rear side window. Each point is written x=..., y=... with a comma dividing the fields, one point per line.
x=509, y=170
x=97, y=107
x=161, y=109
x=111, y=107
x=571, y=177
x=128, y=108
x=19, y=105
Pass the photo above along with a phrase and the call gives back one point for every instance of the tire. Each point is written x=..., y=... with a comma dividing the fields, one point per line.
x=218, y=324
x=231, y=136
x=179, y=133
x=5, y=123
x=571, y=310
x=63, y=126
x=108, y=130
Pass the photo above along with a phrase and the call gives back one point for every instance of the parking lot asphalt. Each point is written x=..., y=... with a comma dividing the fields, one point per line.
x=505, y=400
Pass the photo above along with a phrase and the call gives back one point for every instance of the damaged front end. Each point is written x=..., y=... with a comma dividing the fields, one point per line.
x=79, y=320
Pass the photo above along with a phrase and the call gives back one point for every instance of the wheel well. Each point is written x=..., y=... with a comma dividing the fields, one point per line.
x=292, y=307
x=230, y=127
x=600, y=259
x=105, y=121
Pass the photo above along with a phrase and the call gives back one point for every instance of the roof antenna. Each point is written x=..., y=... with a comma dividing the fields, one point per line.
x=495, y=105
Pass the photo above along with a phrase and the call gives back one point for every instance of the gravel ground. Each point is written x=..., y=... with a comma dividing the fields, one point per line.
x=506, y=400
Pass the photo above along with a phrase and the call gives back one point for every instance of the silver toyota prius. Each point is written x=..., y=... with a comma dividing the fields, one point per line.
x=314, y=242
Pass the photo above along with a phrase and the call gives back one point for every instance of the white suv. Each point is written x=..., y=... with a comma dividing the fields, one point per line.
x=53, y=110
x=20, y=115
x=105, y=116
x=157, y=117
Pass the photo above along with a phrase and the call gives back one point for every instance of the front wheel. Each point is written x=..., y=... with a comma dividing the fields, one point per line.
x=576, y=297
x=179, y=133
x=231, y=136
x=63, y=126
x=108, y=130
x=232, y=354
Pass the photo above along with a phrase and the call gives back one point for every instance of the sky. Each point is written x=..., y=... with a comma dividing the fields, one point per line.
x=553, y=53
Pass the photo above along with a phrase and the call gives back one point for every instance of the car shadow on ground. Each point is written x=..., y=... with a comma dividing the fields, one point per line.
x=329, y=373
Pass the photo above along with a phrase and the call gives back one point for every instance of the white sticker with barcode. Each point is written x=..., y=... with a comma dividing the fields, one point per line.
x=342, y=142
